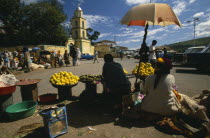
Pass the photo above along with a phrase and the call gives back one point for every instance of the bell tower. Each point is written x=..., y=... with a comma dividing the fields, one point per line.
x=79, y=34
x=78, y=25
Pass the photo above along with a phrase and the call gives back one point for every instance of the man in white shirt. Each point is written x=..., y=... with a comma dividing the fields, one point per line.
x=152, y=55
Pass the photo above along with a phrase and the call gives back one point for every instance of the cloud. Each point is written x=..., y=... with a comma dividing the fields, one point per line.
x=61, y=1
x=104, y=35
x=29, y=1
x=179, y=7
x=135, y=2
x=176, y=27
x=153, y=32
x=191, y=1
x=203, y=29
x=128, y=41
x=34, y=1
x=66, y=24
x=198, y=14
x=93, y=20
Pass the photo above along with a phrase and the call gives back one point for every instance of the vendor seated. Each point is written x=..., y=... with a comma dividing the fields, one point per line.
x=115, y=81
x=160, y=98
x=4, y=70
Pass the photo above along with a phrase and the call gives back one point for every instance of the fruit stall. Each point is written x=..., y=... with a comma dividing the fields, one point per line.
x=64, y=82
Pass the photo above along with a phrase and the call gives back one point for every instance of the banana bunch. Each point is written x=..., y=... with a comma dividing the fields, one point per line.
x=90, y=78
x=64, y=78
x=125, y=71
x=145, y=69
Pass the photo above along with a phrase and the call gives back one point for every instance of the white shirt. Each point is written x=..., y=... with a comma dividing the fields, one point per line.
x=161, y=100
x=152, y=54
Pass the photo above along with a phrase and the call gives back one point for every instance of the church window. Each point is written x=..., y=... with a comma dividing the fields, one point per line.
x=76, y=34
x=76, y=23
x=83, y=24
x=83, y=34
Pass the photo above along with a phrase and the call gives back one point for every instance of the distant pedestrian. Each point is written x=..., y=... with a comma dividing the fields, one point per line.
x=66, y=58
x=152, y=55
x=121, y=54
x=26, y=59
x=7, y=59
x=96, y=57
x=78, y=57
x=60, y=59
x=165, y=54
x=73, y=54
x=53, y=58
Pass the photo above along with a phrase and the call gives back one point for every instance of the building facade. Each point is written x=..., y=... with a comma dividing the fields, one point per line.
x=79, y=34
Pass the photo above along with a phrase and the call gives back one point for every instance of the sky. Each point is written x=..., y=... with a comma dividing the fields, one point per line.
x=105, y=15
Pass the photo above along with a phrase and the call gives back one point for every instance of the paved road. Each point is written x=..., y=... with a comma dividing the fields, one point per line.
x=187, y=79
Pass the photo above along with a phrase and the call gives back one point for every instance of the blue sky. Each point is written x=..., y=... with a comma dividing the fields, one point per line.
x=105, y=15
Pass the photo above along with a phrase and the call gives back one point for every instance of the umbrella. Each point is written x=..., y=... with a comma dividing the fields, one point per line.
x=150, y=14
x=35, y=48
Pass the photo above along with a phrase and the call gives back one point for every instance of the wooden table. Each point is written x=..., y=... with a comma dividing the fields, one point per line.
x=64, y=91
x=29, y=91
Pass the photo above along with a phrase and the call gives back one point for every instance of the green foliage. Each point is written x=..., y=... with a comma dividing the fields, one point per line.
x=36, y=23
x=92, y=36
x=182, y=46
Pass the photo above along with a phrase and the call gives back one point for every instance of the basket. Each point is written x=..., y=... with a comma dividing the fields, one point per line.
x=62, y=86
x=21, y=110
x=7, y=90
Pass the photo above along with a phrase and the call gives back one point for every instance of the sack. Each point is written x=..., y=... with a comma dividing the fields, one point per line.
x=55, y=121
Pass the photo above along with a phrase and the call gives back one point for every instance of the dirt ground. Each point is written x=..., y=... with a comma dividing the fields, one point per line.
x=97, y=114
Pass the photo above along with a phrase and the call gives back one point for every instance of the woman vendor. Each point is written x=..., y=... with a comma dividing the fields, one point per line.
x=160, y=98
x=115, y=82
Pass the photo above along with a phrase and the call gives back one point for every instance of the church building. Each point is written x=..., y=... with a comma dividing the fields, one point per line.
x=79, y=34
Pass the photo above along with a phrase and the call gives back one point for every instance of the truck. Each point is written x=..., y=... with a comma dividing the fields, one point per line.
x=200, y=60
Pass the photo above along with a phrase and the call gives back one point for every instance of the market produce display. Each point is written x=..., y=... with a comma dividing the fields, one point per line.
x=28, y=82
x=64, y=78
x=145, y=69
x=90, y=78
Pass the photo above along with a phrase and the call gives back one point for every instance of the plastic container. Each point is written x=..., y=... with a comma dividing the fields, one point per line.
x=7, y=90
x=21, y=110
x=45, y=98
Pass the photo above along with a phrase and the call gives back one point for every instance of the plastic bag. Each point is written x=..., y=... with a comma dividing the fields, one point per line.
x=8, y=79
x=55, y=121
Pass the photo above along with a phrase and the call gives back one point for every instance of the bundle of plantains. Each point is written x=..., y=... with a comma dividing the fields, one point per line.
x=90, y=78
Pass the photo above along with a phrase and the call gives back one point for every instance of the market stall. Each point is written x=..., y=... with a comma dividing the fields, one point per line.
x=64, y=82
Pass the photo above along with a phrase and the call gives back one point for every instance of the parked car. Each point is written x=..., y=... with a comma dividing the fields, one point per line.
x=182, y=57
x=200, y=60
x=87, y=56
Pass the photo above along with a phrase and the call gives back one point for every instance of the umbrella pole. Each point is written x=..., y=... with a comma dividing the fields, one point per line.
x=142, y=50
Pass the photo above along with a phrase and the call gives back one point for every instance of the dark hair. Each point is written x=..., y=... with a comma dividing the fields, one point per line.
x=154, y=42
x=108, y=58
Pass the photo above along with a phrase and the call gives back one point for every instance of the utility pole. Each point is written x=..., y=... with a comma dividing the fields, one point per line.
x=194, y=24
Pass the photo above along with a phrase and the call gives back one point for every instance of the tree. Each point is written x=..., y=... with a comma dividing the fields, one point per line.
x=92, y=36
x=38, y=23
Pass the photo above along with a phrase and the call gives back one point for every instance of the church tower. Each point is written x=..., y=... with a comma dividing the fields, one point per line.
x=78, y=25
x=79, y=34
